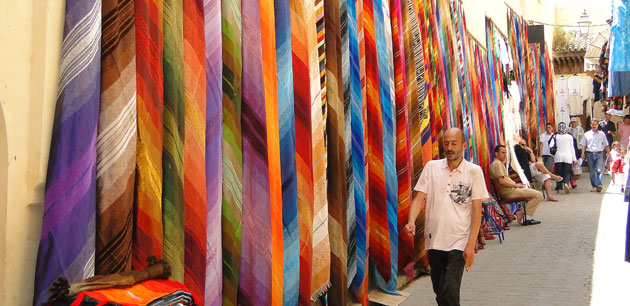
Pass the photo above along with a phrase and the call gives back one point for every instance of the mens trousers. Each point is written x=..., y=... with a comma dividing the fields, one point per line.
x=534, y=195
x=547, y=161
x=447, y=268
x=563, y=170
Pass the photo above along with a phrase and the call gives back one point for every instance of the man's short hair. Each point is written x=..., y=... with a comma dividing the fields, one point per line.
x=498, y=147
x=626, y=117
x=549, y=124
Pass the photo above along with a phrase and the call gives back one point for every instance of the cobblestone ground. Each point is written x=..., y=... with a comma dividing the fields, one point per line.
x=574, y=257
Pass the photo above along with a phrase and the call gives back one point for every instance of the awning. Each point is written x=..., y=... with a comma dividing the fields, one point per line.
x=594, y=50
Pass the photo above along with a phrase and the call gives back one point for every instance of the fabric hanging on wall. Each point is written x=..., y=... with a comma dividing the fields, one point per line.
x=116, y=142
x=304, y=47
x=232, y=148
x=254, y=287
x=401, y=41
x=148, y=231
x=270, y=74
x=321, y=244
x=173, y=147
x=379, y=229
x=213, y=158
x=383, y=45
x=336, y=171
x=357, y=58
x=195, y=197
x=286, y=111
x=619, y=66
x=70, y=195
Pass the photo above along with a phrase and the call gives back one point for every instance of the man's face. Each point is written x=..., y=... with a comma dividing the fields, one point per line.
x=626, y=121
x=608, y=116
x=573, y=124
x=453, y=146
x=501, y=154
x=594, y=125
x=549, y=128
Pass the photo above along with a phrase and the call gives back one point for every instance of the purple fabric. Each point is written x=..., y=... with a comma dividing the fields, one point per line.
x=255, y=273
x=214, y=138
x=67, y=243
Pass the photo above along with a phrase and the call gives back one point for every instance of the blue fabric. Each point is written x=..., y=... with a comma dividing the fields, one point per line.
x=595, y=168
x=619, y=83
x=620, y=37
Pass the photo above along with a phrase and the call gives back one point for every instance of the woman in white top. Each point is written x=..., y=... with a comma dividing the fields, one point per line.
x=564, y=157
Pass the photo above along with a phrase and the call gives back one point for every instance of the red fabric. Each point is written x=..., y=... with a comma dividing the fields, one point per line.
x=138, y=294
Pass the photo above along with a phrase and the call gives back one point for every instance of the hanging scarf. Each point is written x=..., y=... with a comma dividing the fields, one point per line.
x=287, y=132
x=148, y=230
x=232, y=148
x=254, y=286
x=116, y=143
x=195, y=195
x=213, y=158
x=70, y=196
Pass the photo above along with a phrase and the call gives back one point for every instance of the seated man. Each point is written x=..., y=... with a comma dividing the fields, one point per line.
x=508, y=189
x=537, y=170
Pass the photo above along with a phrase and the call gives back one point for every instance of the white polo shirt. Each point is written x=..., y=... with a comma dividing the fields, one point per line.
x=594, y=142
x=449, y=202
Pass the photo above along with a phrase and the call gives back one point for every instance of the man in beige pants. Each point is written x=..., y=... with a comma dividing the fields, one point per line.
x=508, y=189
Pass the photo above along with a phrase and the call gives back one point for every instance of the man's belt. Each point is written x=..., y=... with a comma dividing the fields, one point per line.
x=598, y=152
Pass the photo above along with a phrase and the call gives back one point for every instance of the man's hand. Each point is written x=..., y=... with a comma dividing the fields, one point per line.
x=410, y=228
x=469, y=257
x=519, y=185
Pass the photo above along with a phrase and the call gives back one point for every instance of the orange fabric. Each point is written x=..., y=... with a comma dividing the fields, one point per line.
x=138, y=294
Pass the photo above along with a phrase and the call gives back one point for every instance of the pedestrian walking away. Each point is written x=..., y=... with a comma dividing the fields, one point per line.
x=454, y=189
x=545, y=151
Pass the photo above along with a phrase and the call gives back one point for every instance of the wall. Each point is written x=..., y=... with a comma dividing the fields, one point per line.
x=30, y=32
x=476, y=10
x=570, y=12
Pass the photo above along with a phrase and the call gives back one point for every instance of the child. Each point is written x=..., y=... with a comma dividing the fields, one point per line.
x=618, y=173
x=612, y=158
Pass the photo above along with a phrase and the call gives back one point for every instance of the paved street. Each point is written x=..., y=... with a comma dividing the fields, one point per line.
x=575, y=257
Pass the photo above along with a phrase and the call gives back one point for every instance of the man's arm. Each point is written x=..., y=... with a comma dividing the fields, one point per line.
x=475, y=223
x=502, y=181
x=414, y=210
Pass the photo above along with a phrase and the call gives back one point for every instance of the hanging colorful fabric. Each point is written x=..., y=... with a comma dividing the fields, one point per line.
x=287, y=129
x=195, y=197
x=70, y=196
x=214, y=137
x=356, y=58
x=388, y=144
x=116, y=142
x=232, y=148
x=270, y=74
x=148, y=230
x=379, y=229
x=254, y=287
x=173, y=148
x=336, y=170
x=304, y=54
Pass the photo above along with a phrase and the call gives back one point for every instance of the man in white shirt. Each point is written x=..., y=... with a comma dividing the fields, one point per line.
x=577, y=131
x=545, y=152
x=454, y=189
x=593, y=145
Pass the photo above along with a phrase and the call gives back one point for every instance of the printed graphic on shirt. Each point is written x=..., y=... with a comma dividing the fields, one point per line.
x=461, y=193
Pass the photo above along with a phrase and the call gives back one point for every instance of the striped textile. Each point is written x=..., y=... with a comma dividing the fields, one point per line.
x=304, y=48
x=254, y=287
x=355, y=33
x=70, y=196
x=319, y=112
x=347, y=107
x=336, y=171
x=151, y=292
x=383, y=43
x=116, y=141
x=287, y=126
x=550, y=97
x=379, y=230
x=270, y=74
x=173, y=148
x=232, y=148
x=148, y=231
x=404, y=62
x=214, y=138
x=195, y=196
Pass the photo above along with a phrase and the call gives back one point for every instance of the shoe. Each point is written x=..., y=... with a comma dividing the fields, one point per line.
x=531, y=222
x=573, y=186
x=599, y=188
x=566, y=188
x=594, y=189
x=621, y=189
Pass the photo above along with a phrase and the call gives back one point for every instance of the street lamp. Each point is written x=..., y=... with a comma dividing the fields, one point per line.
x=584, y=24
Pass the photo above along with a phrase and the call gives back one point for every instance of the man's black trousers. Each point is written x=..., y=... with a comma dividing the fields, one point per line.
x=447, y=268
